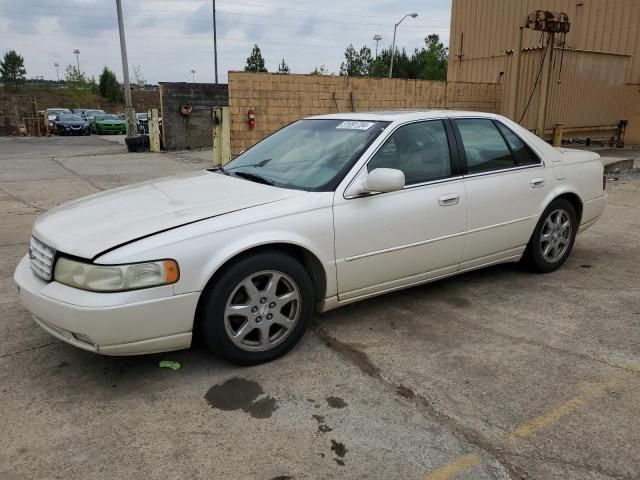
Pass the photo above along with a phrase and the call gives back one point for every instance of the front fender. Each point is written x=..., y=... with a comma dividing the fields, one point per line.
x=203, y=247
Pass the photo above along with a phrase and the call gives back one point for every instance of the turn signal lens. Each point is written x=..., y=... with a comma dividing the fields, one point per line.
x=171, y=271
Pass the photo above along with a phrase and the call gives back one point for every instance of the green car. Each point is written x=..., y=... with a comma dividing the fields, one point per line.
x=106, y=123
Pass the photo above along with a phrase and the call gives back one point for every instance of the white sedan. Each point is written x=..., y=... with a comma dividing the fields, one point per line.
x=327, y=211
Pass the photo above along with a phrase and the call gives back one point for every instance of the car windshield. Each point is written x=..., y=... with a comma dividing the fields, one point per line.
x=141, y=116
x=70, y=118
x=310, y=155
x=94, y=112
x=56, y=111
x=106, y=117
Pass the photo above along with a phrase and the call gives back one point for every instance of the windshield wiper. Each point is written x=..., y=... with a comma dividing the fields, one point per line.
x=253, y=177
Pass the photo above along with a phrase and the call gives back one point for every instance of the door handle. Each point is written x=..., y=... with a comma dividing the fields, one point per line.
x=449, y=200
x=537, y=183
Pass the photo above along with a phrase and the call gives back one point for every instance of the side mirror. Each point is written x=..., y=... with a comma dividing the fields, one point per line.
x=384, y=180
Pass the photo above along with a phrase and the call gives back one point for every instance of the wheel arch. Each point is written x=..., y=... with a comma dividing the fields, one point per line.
x=572, y=198
x=307, y=259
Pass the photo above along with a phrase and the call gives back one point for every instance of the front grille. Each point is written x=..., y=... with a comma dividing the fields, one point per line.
x=41, y=258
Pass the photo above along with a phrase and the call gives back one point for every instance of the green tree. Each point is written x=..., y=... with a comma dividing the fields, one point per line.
x=108, y=85
x=433, y=59
x=283, y=67
x=356, y=63
x=321, y=70
x=75, y=78
x=12, y=68
x=427, y=63
x=255, y=62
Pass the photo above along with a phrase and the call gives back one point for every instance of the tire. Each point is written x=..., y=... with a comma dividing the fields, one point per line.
x=267, y=322
x=553, y=238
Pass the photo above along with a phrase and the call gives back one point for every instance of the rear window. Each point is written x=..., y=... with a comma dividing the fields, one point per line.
x=484, y=147
x=521, y=151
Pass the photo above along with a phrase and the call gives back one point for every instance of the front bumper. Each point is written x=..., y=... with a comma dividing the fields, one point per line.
x=125, y=323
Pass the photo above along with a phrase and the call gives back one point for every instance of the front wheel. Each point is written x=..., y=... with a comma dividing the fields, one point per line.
x=553, y=238
x=258, y=309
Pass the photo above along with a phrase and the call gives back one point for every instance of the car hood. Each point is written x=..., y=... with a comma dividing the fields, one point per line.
x=89, y=226
x=110, y=122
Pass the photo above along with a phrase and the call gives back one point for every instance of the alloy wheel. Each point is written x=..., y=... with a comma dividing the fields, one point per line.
x=262, y=311
x=555, y=236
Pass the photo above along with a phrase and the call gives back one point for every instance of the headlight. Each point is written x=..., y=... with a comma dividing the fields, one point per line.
x=115, y=278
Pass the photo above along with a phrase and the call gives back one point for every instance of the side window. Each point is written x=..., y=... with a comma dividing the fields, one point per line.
x=420, y=150
x=521, y=152
x=484, y=147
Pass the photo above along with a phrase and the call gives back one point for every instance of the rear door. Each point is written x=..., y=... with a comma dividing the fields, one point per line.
x=506, y=183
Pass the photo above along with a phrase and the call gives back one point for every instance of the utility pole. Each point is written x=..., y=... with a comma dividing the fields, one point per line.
x=377, y=38
x=215, y=43
x=129, y=112
x=77, y=54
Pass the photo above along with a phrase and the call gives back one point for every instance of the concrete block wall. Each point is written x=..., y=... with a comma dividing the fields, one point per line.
x=280, y=99
x=184, y=132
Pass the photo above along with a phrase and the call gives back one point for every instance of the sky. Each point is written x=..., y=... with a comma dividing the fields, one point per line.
x=166, y=39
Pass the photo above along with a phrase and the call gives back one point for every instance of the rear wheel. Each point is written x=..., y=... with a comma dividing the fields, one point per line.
x=258, y=309
x=553, y=238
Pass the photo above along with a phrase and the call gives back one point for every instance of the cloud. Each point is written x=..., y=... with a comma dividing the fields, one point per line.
x=169, y=38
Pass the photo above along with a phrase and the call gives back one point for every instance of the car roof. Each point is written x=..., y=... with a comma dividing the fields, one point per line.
x=401, y=115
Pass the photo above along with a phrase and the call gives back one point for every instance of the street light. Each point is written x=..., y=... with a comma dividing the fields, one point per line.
x=393, y=48
x=377, y=38
x=193, y=73
x=57, y=65
x=77, y=54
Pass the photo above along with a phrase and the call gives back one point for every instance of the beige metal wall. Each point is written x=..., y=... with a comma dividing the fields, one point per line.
x=482, y=30
x=589, y=93
x=602, y=56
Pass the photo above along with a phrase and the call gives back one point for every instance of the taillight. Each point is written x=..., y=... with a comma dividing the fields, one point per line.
x=604, y=182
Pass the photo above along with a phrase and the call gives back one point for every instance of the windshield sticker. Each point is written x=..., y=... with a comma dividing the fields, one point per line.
x=354, y=125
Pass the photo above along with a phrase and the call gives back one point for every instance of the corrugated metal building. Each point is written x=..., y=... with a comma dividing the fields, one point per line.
x=594, y=79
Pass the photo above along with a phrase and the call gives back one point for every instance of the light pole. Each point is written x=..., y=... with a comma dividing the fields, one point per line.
x=77, y=54
x=393, y=48
x=193, y=73
x=377, y=38
x=215, y=42
x=57, y=65
x=129, y=112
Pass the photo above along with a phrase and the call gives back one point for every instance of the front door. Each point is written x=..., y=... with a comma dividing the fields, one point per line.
x=390, y=240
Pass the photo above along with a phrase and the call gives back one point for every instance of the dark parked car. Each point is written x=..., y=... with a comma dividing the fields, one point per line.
x=70, y=124
x=143, y=123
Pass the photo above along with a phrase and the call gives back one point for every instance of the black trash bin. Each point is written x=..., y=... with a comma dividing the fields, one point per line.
x=137, y=143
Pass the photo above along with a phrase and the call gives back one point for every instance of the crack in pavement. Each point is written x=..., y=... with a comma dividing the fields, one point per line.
x=31, y=349
x=502, y=451
x=19, y=200
x=76, y=174
x=359, y=359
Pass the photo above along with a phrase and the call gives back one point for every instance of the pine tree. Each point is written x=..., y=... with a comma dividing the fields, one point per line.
x=255, y=62
x=283, y=67
x=12, y=68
